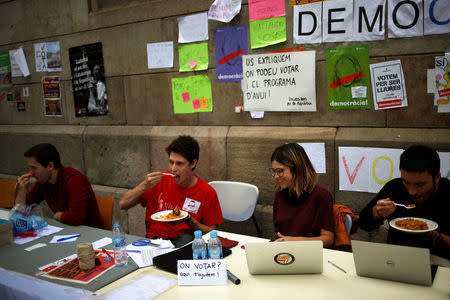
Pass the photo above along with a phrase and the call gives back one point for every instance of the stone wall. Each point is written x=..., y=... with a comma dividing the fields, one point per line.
x=117, y=150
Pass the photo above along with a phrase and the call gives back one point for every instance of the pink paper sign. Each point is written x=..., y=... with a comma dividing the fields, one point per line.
x=185, y=97
x=266, y=9
x=193, y=64
x=196, y=103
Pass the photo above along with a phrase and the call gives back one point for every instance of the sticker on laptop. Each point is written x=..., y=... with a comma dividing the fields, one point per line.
x=284, y=258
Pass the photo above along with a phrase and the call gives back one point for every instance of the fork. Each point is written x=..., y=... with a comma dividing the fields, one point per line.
x=402, y=205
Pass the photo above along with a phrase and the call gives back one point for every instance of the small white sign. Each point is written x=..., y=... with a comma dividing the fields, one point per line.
x=359, y=91
x=202, y=272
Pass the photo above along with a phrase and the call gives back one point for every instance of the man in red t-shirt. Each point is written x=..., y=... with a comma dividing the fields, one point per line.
x=180, y=188
x=68, y=192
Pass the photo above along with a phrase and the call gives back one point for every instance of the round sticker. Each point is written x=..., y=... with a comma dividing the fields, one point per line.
x=284, y=258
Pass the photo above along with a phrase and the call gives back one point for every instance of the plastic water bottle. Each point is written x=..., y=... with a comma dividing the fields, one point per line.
x=119, y=242
x=214, y=246
x=198, y=246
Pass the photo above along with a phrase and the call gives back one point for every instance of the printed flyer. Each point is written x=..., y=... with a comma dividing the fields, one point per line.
x=348, y=77
x=388, y=85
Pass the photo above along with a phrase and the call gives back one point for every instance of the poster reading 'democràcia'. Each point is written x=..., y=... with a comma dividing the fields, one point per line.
x=348, y=77
x=88, y=80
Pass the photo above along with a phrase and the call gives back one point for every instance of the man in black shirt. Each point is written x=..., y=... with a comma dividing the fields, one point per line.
x=421, y=185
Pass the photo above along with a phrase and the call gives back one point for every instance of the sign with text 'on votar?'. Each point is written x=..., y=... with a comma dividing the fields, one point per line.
x=202, y=272
x=279, y=81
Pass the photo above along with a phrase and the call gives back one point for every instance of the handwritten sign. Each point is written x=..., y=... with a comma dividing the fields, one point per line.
x=193, y=57
x=193, y=28
x=224, y=10
x=265, y=9
x=187, y=91
x=280, y=81
x=202, y=272
x=160, y=55
x=267, y=32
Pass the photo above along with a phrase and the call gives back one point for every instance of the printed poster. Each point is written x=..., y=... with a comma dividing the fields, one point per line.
x=388, y=85
x=160, y=55
x=19, y=66
x=192, y=94
x=224, y=10
x=267, y=32
x=52, y=96
x=280, y=81
x=5, y=70
x=48, y=57
x=265, y=9
x=348, y=77
x=230, y=44
x=88, y=80
x=193, y=57
x=442, y=70
x=70, y=271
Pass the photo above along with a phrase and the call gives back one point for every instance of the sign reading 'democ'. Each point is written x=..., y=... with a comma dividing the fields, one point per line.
x=202, y=272
x=279, y=81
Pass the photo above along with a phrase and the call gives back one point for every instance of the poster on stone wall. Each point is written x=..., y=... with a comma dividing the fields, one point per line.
x=5, y=71
x=88, y=80
x=47, y=57
x=442, y=80
x=52, y=96
x=280, y=81
x=348, y=77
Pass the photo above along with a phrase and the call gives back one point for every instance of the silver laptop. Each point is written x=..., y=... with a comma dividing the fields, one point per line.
x=392, y=262
x=303, y=257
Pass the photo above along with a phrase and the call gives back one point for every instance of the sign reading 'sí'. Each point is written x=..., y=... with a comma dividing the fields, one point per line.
x=279, y=81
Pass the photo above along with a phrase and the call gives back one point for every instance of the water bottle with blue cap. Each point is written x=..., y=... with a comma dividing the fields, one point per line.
x=119, y=242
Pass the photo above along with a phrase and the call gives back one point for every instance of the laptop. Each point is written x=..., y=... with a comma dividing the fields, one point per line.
x=302, y=257
x=392, y=262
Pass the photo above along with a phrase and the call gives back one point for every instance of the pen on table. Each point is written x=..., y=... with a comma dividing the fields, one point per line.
x=68, y=238
x=233, y=278
x=336, y=266
x=134, y=251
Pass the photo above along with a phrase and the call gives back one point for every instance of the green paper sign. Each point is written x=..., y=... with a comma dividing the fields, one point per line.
x=192, y=94
x=348, y=77
x=5, y=70
x=193, y=57
x=267, y=32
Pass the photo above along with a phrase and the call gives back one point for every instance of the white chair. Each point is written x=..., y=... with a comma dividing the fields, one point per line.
x=237, y=200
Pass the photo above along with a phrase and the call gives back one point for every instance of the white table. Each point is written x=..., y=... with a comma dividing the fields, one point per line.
x=331, y=284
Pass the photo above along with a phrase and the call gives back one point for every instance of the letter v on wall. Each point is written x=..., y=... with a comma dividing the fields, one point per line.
x=352, y=177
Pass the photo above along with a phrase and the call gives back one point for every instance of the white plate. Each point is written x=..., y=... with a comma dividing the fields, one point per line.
x=431, y=225
x=157, y=215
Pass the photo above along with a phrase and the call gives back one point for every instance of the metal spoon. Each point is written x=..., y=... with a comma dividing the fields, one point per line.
x=407, y=207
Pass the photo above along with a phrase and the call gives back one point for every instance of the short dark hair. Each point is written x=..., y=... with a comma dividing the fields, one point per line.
x=420, y=158
x=44, y=154
x=186, y=146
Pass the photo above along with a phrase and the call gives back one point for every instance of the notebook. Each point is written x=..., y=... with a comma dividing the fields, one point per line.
x=303, y=257
x=392, y=262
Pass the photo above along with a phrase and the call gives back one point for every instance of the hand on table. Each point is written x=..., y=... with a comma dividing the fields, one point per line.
x=283, y=238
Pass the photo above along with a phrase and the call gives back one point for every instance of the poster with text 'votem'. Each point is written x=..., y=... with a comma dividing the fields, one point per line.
x=192, y=94
x=348, y=77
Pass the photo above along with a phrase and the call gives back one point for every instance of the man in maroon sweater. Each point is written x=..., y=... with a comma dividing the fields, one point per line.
x=68, y=192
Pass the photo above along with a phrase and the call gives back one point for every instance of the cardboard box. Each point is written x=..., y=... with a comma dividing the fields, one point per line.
x=6, y=232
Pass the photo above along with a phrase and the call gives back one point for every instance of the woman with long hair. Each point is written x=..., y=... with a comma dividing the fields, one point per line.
x=302, y=210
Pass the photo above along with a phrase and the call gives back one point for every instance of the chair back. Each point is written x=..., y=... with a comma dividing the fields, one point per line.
x=7, y=192
x=237, y=199
x=105, y=208
x=348, y=224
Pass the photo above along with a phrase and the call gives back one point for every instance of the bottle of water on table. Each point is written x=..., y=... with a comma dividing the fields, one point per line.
x=214, y=246
x=119, y=242
x=198, y=246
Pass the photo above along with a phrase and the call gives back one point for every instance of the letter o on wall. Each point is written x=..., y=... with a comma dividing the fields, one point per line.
x=391, y=172
x=416, y=14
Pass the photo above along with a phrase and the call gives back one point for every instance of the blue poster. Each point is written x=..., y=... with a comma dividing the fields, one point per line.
x=231, y=44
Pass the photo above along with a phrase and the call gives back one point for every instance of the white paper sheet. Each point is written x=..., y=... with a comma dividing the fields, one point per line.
x=160, y=55
x=372, y=28
x=139, y=286
x=145, y=258
x=48, y=230
x=405, y=16
x=316, y=154
x=193, y=28
x=4, y=214
x=436, y=17
x=310, y=18
x=224, y=10
x=101, y=243
x=19, y=58
x=35, y=246
x=341, y=27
